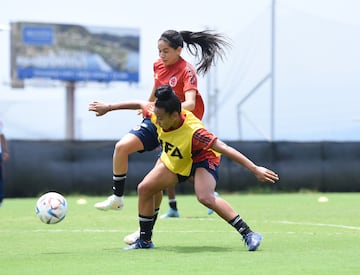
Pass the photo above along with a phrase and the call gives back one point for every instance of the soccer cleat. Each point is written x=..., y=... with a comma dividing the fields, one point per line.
x=210, y=211
x=113, y=202
x=140, y=244
x=171, y=213
x=252, y=240
x=132, y=238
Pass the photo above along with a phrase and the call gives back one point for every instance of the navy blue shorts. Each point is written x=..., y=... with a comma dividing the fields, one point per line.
x=212, y=169
x=147, y=133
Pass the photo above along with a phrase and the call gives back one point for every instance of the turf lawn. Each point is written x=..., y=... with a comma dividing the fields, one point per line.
x=301, y=236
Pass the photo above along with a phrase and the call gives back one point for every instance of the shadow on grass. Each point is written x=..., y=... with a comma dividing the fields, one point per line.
x=195, y=249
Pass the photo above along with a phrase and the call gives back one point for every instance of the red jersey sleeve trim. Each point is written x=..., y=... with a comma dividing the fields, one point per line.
x=202, y=140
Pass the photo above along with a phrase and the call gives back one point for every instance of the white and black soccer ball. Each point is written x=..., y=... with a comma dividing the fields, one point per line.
x=51, y=208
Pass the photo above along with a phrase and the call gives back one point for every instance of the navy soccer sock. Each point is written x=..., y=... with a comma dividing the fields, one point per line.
x=241, y=226
x=119, y=184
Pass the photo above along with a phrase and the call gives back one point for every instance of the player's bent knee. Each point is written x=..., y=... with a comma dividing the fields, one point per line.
x=208, y=201
x=143, y=189
x=123, y=148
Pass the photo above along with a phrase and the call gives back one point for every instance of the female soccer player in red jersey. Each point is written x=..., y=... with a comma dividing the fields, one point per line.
x=188, y=149
x=170, y=69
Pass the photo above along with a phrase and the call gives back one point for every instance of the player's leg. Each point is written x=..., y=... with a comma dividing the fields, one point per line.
x=173, y=212
x=204, y=183
x=204, y=186
x=209, y=210
x=126, y=146
x=133, y=237
x=158, y=179
x=139, y=139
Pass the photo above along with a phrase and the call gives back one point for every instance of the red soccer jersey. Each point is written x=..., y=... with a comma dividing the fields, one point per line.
x=182, y=77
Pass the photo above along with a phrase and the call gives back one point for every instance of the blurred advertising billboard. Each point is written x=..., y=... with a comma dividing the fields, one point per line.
x=73, y=53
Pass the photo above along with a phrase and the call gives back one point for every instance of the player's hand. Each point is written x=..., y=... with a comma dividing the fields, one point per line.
x=149, y=108
x=99, y=108
x=265, y=175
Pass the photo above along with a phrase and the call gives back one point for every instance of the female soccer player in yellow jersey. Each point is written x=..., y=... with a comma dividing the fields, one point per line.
x=188, y=149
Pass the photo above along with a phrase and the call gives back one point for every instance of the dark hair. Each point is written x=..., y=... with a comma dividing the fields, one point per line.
x=211, y=45
x=167, y=100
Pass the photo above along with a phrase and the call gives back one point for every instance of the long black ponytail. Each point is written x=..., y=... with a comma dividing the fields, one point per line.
x=207, y=43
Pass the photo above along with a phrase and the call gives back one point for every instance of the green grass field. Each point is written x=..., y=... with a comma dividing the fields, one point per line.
x=301, y=236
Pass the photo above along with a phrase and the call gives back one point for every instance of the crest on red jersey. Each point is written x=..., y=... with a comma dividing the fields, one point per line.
x=173, y=81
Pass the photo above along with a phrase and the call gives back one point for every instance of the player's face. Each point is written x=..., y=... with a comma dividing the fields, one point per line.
x=165, y=120
x=167, y=54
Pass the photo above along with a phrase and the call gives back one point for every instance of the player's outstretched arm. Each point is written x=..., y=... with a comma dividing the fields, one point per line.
x=262, y=174
x=101, y=108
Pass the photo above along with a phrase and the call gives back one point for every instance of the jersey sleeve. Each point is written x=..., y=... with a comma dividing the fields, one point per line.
x=202, y=140
x=190, y=78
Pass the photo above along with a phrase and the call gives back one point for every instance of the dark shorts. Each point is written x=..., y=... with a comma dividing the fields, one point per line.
x=212, y=169
x=147, y=133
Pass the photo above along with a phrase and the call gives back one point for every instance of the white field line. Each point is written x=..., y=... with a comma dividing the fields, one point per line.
x=94, y=230
x=322, y=225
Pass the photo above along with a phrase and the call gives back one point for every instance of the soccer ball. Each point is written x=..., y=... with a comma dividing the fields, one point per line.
x=51, y=208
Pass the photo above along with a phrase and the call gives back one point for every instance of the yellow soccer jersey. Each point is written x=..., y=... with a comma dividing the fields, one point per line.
x=177, y=144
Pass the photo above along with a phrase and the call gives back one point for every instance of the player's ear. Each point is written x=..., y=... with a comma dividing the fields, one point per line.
x=174, y=115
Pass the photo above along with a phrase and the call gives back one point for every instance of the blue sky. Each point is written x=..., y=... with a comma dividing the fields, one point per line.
x=317, y=67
